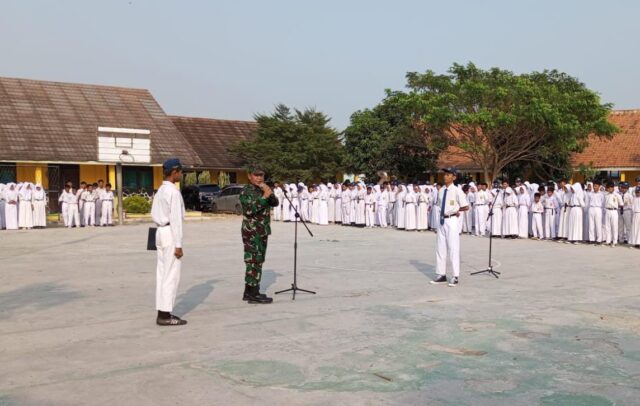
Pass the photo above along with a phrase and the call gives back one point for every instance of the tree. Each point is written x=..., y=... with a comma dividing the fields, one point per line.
x=498, y=118
x=385, y=139
x=293, y=146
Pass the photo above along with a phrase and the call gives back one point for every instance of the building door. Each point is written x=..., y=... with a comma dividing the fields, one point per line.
x=69, y=173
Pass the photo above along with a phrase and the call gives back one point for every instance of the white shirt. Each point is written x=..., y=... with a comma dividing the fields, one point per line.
x=537, y=207
x=168, y=208
x=456, y=199
x=106, y=195
x=612, y=201
x=596, y=199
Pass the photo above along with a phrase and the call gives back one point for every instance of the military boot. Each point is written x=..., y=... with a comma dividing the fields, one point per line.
x=256, y=297
x=247, y=293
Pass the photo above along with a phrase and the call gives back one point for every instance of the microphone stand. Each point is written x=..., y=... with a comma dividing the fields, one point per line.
x=489, y=269
x=294, y=286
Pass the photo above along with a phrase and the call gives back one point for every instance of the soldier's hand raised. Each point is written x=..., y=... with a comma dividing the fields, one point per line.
x=266, y=190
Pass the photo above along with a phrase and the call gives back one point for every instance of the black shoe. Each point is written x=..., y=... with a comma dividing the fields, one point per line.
x=171, y=321
x=439, y=280
x=454, y=282
x=247, y=293
x=255, y=297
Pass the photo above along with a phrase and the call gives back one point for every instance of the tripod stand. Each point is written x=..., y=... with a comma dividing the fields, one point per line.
x=489, y=269
x=294, y=286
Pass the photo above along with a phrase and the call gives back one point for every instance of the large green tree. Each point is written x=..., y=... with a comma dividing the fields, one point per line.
x=385, y=138
x=293, y=145
x=498, y=118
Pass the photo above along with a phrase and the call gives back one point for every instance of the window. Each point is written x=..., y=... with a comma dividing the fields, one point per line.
x=136, y=179
x=7, y=173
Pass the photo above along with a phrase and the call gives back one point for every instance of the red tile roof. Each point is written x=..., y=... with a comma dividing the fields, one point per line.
x=622, y=151
x=58, y=122
x=211, y=138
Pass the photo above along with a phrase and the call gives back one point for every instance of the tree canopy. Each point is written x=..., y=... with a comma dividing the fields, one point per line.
x=293, y=145
x=498, y=118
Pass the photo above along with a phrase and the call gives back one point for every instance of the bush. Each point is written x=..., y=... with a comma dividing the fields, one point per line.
x=135, y=204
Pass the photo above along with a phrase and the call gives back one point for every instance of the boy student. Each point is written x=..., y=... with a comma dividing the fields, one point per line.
x=550, y=205
x=537, y=209
x=612, y=204
x=370, y=207
x=106, y=211
x=167, y=212
x=634, y=238
x=88, y=198
x=453, y=204
x=596, y=205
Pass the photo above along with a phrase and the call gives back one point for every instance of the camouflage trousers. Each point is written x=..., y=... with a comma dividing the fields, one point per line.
x=255, y=249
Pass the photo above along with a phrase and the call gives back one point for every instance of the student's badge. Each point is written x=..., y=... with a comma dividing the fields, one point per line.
x=452, y=202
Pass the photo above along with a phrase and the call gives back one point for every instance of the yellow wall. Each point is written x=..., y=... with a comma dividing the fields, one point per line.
x=25, y=173
x=629, y=176
x=157, y=177
x=112, y=177
x=91, y=173
x=241, y=177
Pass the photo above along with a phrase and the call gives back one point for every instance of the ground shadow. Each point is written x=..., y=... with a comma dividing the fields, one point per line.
x=39, y=295
x=194, y=297
x=427, y=270
x=268, y=278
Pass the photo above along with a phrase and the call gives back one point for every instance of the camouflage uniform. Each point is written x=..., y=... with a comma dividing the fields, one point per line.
x=256, y=227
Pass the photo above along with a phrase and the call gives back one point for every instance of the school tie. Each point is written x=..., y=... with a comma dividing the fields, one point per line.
x=444, y=200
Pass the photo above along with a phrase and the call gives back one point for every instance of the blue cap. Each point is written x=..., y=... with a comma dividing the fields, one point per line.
x=452, y=170
x=171, y=163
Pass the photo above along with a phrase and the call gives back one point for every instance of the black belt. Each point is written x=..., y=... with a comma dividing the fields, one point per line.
x=481, y=204
x=611, y=209
x=165, y=225
x=451, y=215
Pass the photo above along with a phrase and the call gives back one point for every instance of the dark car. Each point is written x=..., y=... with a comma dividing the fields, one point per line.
x=199, y=197
x=228, y=200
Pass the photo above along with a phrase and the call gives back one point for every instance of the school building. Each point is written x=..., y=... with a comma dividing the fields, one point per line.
x=52, y=132
x=617, y=159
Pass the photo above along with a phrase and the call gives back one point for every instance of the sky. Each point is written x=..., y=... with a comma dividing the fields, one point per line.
x=234, y=59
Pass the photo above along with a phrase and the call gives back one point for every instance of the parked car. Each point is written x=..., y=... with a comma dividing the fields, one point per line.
x=228, y=200
x=199, y=197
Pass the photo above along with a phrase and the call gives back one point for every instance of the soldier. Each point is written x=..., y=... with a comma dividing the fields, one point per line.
x=256, y=199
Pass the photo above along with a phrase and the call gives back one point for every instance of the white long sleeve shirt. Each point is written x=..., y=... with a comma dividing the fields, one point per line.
x=168, y=208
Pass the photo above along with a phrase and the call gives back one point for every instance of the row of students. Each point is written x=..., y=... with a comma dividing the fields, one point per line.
x=555, y=211
x=89, y=205
x=22, y=206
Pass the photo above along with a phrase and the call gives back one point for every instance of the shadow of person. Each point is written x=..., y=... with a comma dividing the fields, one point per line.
x=194, y=297
x=268, y=278
x=427, y=270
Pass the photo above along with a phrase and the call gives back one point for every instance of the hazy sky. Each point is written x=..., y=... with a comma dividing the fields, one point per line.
x=231, y=59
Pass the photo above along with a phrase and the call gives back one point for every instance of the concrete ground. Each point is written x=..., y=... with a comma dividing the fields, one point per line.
x=561, y=326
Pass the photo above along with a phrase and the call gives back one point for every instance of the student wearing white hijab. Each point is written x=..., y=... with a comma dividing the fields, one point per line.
x=323, y=207
x=634, y=237
x=11, y=206
x=510, y=215
x=481, y=206
x=295, y=202
x=424, y=201
x=39, y=207
x=331, y=203
x=3, y=224
x=304, y=196
x=338, y=207
x=360, y=206
x=524, y=204
x=277, y=211
x=400, y=205
x=25, y=210
x=576, y=203
x=410, y=200
x=315, y=205
x=496, y=211
x=286, y=206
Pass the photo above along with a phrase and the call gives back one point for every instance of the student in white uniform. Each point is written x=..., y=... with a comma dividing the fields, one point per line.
x=323, y=205
x=524, y=203
x=383, y=205
x=331, y=204
x=345, y=200
x=73, y=214
x=360, y=219
x=537, y=210
x=79, y=192
x=11, y=206
x=39, y=199
x=510, y=214
x=576, y=203
x=400, y=205
x=370, y=208
x=277, y=211
x=481, y=207
x=88, y=198
x=624, y=227
x=453, y=204
x=3, y=224
x=550, y=204
x=167, y=212
x=423, y=209
x=595, y=213
x=391, y=210
x=410, y=200
x=25, y=208
x=496, y=211
x=338, y=213
x=98, y=189
x=634, y=238
x=106, y=198
x=612, y=204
